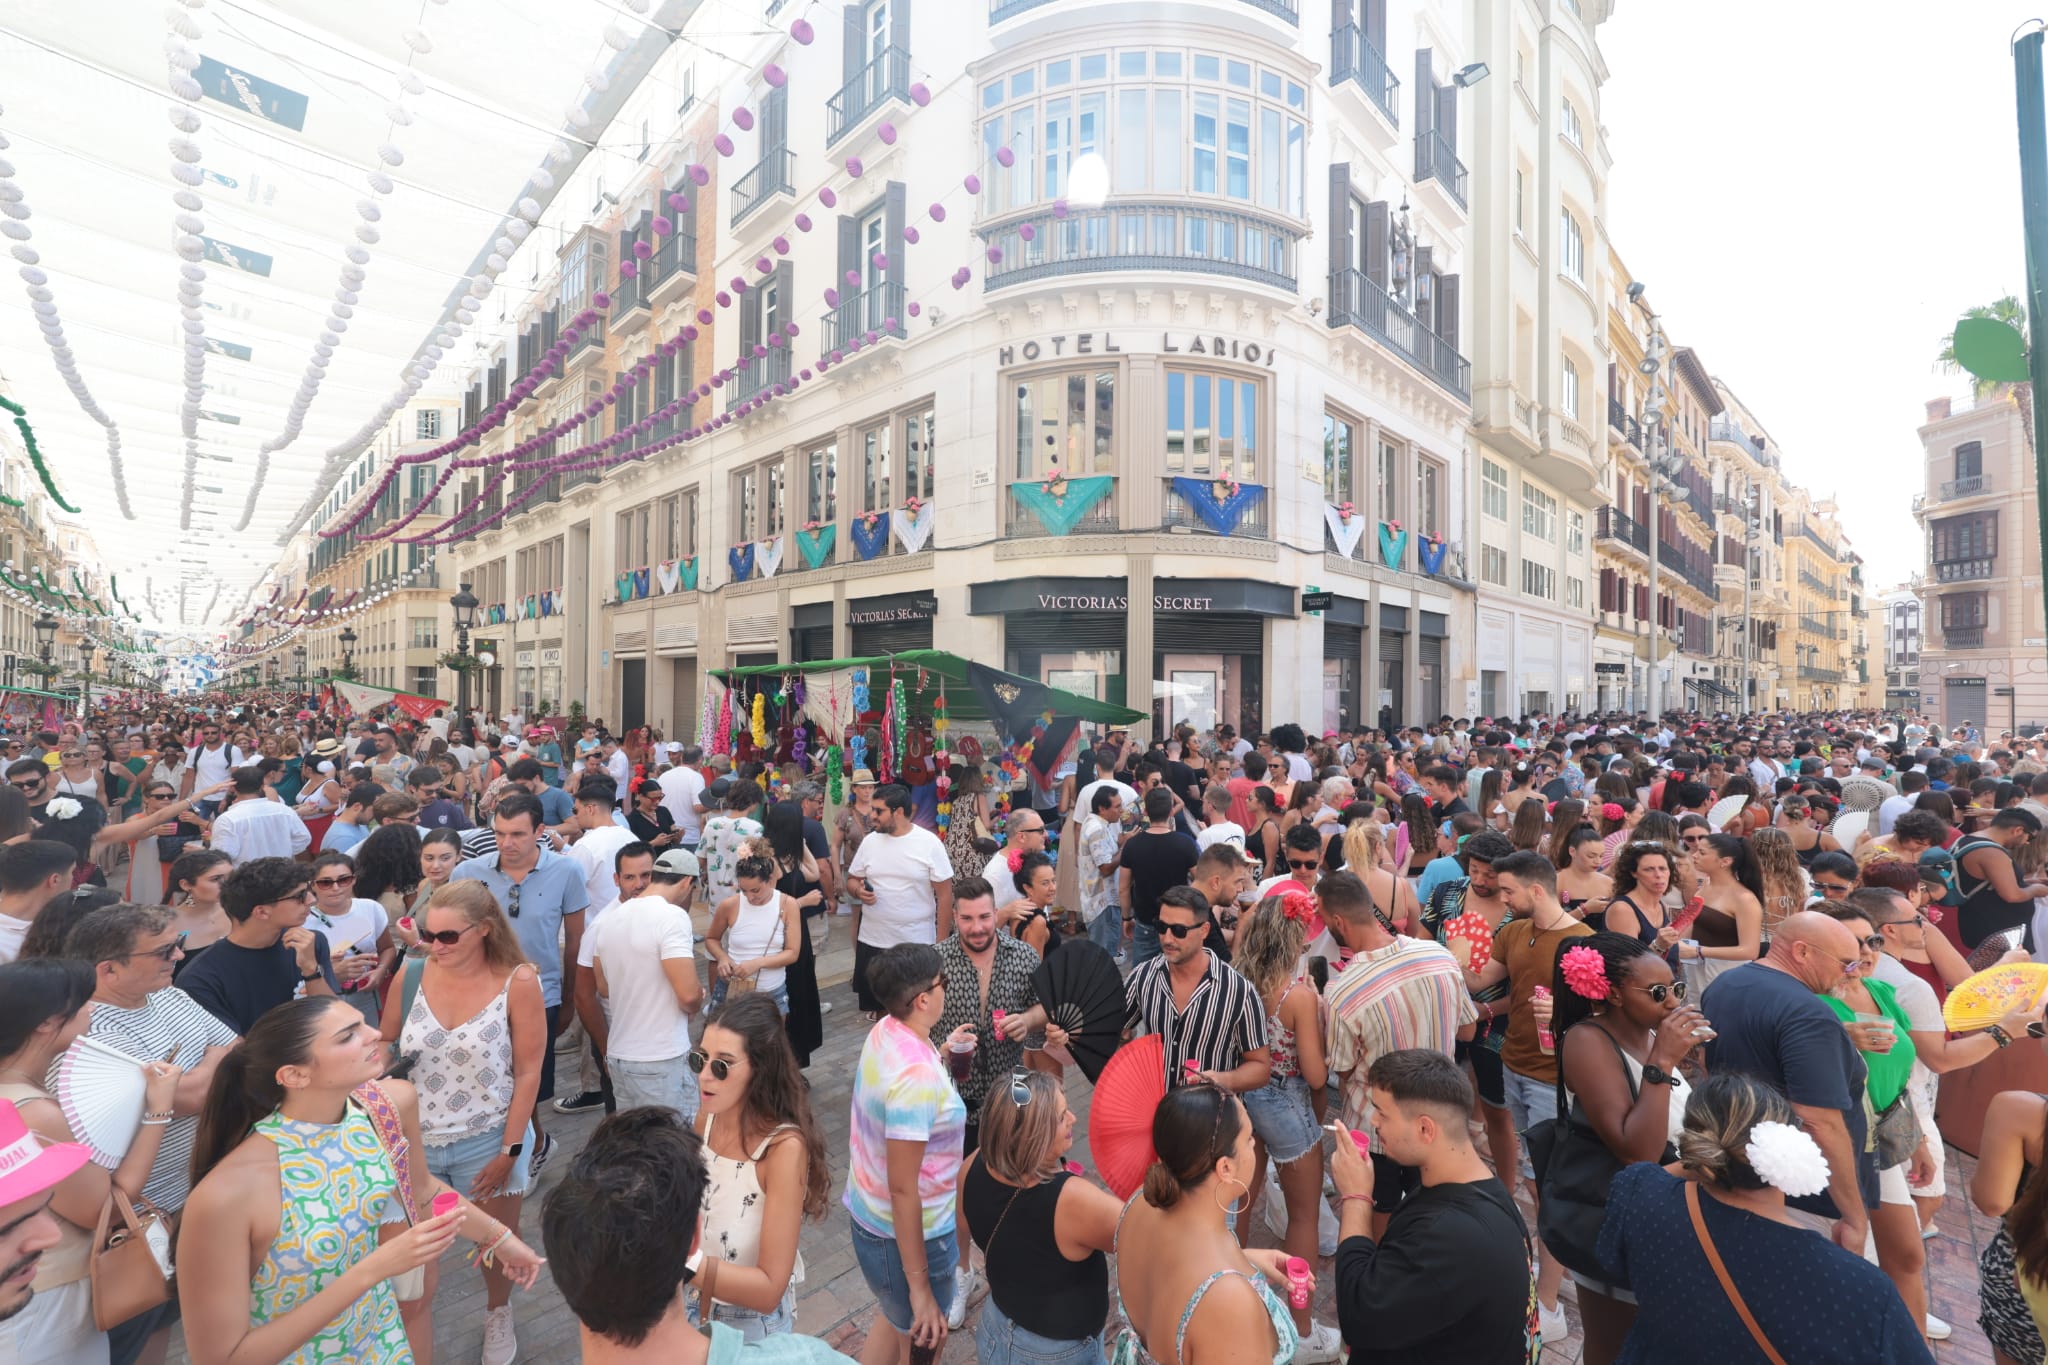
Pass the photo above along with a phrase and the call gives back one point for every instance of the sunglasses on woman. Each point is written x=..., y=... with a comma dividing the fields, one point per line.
x=1020, y=1088
x=1662, y=991
x=346, y=879
x=446, y=937
x=697, y=1059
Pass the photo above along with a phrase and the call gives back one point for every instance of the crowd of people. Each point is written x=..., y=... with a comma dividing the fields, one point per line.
x=1676, y=984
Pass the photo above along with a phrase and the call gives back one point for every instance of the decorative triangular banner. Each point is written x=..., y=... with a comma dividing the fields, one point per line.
x=360, y=697
x=1393, y=546
x=1060, y=503
x=690, y=574
x=913, y=527
x=625, y=582
x=816, y=546
x=641, y=584
x=1216, y=502
x=870, y=534
x=1430, y=550
x=1346, y=534
x=768, y=556
x=740, y=559
x=669, y=576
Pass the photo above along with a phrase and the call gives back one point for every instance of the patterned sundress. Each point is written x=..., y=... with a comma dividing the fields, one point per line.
x=336, y=1183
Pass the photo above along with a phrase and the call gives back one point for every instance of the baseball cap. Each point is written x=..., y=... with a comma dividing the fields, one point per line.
x=28, y=1165
x=509, y=742
x=677, y=862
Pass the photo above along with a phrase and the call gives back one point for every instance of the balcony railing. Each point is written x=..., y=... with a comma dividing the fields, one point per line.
x=676, y=255
x=1611, y=523
x=876, y=312
x=1672, y=559
x=1962, y=637
x=1143, y=236
x=1021, y=523
x=1622, y=421
x=630, y=293
x=764, y=374
x=1965, y=570
x=1811, y=673
x=885, y=77
x=1354, y=58
x=1250, y=526
x=1806, y=529
x=1735, y=435
x=1356, y=300
x=1967, y=487
x=1814, y=625
x=1818, y=585
x=1436, y=158
x=768, y=178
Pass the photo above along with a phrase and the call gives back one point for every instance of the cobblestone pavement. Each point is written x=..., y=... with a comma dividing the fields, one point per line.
x=834, y=1303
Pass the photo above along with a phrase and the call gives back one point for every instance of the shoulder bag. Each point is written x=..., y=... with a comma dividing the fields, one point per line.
x=130, y=1264
x=383, y=1114
x=1699, y=1228
x=1574, y=1169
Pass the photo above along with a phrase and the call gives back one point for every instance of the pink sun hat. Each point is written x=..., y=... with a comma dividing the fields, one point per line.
x=28, y=1165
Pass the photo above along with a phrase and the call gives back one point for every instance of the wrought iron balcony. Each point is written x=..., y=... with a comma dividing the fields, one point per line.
x=1143, y=236
x=769, y=177
x=675, y=255
x=1811, y=673
x=1611, y=523
x=1734, y=435
x=1619, y=418
x=1437, y=159
x=872, y=314
x=1354, y=58
x=763, y=375
x=1966, y=570
x=1250, y=526
x=885, y=77
x=1967, y=487
x=1356, y=300
x=1962, y=637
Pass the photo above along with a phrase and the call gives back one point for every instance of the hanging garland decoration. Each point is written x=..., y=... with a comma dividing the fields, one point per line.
x=835, y=775
x=180, y=60
x=885, y=747
x=760, y=726
x=899, y=711
x=721, y=738
x=35, y=456
x=704, y=720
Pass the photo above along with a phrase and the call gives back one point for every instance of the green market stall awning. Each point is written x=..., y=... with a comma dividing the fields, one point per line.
x=969, y=688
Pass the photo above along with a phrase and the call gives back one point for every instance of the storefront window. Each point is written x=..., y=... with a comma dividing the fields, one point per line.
x=1212, y=425
x=1066, y=422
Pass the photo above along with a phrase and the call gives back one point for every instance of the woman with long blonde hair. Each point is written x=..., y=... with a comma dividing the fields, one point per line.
x=1785, y=882
x=1367, y=856
x=1286, y=1112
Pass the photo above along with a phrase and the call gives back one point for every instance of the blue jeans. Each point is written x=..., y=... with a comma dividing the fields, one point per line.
x=751, y=1326
x=881, y=1265
x=667, y=1084
x=1529, y=1101
x=1106, y=930
x=998, y=1341
x=1144, y=942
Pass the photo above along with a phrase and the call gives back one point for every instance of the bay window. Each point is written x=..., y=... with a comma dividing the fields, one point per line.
x=1212, y=425
x=1065, y=422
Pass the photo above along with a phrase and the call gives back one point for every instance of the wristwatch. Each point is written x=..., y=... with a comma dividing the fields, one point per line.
x=513, y=1149
x=1657, y=1075
x=310, y=977
x=2003, y=1038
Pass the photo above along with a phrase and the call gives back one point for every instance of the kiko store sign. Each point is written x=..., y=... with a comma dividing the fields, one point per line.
x=1103, y=343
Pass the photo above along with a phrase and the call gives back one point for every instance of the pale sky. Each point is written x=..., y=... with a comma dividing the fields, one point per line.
x=1814, y=193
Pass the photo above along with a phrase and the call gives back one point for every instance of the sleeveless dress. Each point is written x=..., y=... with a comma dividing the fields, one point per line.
x=968, y=861
x=1130, y=1351
x=465, y=1073
x=805, y=1021
x=732, y=1221
x=337, y=1186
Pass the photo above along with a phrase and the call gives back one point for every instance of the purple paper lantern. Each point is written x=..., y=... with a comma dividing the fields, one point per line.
x=791, y=328
x=1005, y=157
x=781, y=245
x=871, y=338
x=831, y=298
x=881, y=261
x=739, y=285
x=853, y=277
x=806, y=374
x=959, y=283
x=601, y=299
x=643, y=249
x=910, y=233
x=774, y=75
x=838, y=356
x=759, y=350
x=938, y=213
x=972, y=184
x=628, y=269
x=889, y=324
x=763, y=264
x=853, y=167
x=802, y=31
x=661, y=225
x=775, y=339
x=690, y=332
x=995, y=255
x=679, y=202
x=723, y=144
x=803, y=222
x=828, y=198
x=887, y=132
x=724, y=299
x=704, y=316
x=915, y=308
x=920, y=94
x=1028, y=232
x=1059, y=208
x=743, y=119
x=699, y=174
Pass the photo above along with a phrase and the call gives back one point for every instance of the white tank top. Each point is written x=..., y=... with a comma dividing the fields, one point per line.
x=464, y=1076
x=733, y=1205
x=757, y=932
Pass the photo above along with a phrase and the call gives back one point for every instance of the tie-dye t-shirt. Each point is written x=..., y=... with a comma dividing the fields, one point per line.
x=902, y=1091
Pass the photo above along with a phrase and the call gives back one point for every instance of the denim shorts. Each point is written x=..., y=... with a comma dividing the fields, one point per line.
x=881, y=1265
x=1529, y=1101
x=752, y=1326
x=1107, y=930
x=668, y=1084
x=1283, y=1118
x=780, y=995
x=999, y=1341
x=457, y=1164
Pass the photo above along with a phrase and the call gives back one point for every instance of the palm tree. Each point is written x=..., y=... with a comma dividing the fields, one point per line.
x=2010, y=311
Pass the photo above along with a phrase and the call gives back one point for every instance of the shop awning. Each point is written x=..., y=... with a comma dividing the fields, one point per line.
x=964, y=701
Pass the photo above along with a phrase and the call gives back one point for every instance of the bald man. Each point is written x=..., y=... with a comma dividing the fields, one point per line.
x=1772, y=1024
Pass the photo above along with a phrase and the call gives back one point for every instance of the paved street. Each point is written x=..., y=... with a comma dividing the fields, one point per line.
x=833, y=1301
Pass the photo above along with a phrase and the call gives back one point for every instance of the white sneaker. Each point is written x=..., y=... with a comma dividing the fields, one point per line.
x=1937, y=1330
x=1320, y=1347
x=824, y=1007
x=1550, y=1321
x=1929, y=1233
x=964, y=1283
x=500, y=1346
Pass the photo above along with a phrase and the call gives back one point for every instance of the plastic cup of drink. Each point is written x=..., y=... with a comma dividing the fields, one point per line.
x=446, y=1202
x=1074, y=1168
x=960, y=1060
x=1878, y=1022
x=1298, y=1282
x=1362, y=1143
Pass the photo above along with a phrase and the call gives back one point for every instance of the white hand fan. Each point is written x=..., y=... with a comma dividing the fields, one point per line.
x=1724, y=810
x=100, y=1089
x=1850, y=827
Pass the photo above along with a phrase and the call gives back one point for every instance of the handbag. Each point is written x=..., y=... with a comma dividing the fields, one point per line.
x=383, y=1115
x=1699, y=1228
x=1894, y=1132
x=1574, y=1170
x=130, y=1263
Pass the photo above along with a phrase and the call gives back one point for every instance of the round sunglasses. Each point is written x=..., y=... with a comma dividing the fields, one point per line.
x=697, y=1059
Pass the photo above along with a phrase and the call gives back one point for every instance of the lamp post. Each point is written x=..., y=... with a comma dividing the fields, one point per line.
x=46, y=642
x=85, y=652
x=348, y=649
x=465, y=604
x=299, y=658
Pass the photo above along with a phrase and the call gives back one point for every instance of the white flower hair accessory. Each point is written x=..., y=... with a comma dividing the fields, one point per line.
x=63, y=808
x=1786, y=1158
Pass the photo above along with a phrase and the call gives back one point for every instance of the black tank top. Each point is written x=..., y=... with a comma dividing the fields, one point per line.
x=1036, y=1287
x=1984, y=911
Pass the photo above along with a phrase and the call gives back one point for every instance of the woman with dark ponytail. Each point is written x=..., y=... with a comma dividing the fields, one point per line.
x=293, y=1171
x=1729, y=929
x=1174, y=1239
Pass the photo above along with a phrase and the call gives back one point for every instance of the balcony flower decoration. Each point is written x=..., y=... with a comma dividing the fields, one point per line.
x=1393, y=545
x=870, y=533
x=1347, y=528
x=1220, y=502
x=814, y=542
x=914, y=526
x=740, y=559
x=1430, y=550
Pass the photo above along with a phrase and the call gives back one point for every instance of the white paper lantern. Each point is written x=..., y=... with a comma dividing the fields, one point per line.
x=10, y=192
x=542, y=181
x=616, y=38
x=576, y=116
x=398, y=114
x=185, y=120
x=189, y=223
x=191, y=175
x=194, y=273
x=27, y=255
x=185, y=88
x=190, y=247
x=357, y=254
x=597, y=80
x=380, y=182
x=529, y=209
x=390, y=155
x=417, y=40
x=185, y=199
x=517, y=229
x=367, y=233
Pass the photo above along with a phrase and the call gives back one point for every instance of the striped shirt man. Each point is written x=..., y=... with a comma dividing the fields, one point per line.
x=169, y=1022
x=1224, y=1018
x=1408, y=994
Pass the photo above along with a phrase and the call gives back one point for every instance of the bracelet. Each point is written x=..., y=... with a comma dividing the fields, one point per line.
x=155, y=1123
x=485, y=1254
x=163, y=1116
x=1347, y=1198
x=2003, y=1039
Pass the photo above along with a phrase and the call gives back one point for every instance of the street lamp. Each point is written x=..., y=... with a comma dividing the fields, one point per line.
x=85, y=652
x=465, y=604
x=46, y=637
x=299, y=658
x=348, y=648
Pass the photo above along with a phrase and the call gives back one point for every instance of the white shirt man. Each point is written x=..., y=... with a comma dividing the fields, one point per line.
x=596, y=851
x=682, y=787
x=211, y=763
x=255, y=827
x=1893, y=807
x=902, y=880
x=1765, y=772
x=621, y=768
x=642, y=960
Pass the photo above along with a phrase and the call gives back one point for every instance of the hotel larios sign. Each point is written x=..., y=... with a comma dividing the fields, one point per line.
x=1102, y=343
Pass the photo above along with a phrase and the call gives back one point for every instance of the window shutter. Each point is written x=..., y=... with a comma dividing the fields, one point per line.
x=1375, y=25
x=1425, y=93
x=894, y=209
x=774, y=120
x=1447, y=310
x=781, y=367
x=750, y=325
x=853, y=40
x=1607, y=582
x=1376, y=243
x=1447, y=115
x=846, y=316
x=899, y=38
x=1642, y=601
x=1340, y=221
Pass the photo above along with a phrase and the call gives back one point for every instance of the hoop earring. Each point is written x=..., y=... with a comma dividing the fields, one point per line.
x=1229, y=1211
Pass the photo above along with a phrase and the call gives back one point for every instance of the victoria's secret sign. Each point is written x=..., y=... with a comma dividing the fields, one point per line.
x=1102, y=343
x=1053, y=601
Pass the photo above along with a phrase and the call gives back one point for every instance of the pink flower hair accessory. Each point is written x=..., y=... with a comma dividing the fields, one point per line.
x=1299, y=906
x=1611, y=811
x=1585, y=972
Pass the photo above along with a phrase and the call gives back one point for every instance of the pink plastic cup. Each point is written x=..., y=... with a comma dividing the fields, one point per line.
x=446, y=1202
x=1298, y=1282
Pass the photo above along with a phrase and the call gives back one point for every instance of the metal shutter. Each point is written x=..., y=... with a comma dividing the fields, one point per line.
x=1208, y=634
x=891, y=637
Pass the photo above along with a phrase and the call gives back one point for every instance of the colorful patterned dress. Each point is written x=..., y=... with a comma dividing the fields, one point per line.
x=336, y=1183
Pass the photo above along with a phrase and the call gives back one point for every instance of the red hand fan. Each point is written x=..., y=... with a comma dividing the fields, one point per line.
x=1127, y=1094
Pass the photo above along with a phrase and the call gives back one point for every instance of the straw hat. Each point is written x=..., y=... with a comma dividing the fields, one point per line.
x=863, y=778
